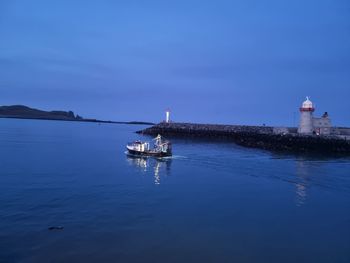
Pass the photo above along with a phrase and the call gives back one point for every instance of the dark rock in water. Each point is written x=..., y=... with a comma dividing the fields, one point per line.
x=56, y=228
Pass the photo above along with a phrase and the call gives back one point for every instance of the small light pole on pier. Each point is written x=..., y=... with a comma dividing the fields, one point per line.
x=167, y=116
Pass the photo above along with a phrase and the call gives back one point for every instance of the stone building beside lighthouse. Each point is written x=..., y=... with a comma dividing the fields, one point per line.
x=313, y=125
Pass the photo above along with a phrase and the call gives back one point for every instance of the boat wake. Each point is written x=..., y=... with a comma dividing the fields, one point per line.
x=177, y=157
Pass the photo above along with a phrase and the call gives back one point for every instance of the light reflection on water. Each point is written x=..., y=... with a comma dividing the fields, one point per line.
x=302, y=174
x=157, y=166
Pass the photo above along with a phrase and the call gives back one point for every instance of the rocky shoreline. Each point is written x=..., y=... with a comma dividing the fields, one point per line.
x=264, y=137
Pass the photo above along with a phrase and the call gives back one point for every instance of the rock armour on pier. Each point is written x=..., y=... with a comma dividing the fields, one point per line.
x=255, y=136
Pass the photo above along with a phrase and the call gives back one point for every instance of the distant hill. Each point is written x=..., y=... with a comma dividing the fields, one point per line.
x=24, y=112
x=20, y=111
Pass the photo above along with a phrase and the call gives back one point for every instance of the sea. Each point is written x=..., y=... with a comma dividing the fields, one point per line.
x=70, y=193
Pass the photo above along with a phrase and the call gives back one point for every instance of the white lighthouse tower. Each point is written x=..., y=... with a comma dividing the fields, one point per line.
x=306, y=118
x=167, y=116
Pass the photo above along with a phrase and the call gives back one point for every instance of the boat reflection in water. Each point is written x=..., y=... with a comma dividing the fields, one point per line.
x=159, y=167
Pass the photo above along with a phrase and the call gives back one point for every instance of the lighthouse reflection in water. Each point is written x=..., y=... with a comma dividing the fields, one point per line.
x=158, y=167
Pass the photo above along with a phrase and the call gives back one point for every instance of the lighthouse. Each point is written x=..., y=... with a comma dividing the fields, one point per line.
x=306, y=118
x=167, y=116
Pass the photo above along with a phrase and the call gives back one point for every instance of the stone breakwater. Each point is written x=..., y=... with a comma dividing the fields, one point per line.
x=264, y=137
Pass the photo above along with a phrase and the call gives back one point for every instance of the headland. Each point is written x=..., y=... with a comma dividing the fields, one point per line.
x=24, y=112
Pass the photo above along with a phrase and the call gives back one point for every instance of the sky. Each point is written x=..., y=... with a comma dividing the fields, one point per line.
x=223, y=61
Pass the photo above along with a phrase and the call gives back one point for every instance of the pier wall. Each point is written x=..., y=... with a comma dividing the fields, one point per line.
x=269, y=138
x=341, y=131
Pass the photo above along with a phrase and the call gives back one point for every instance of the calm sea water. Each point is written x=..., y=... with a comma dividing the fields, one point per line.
x=211, y=202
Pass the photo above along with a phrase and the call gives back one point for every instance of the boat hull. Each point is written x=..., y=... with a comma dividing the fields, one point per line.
x=148, y=153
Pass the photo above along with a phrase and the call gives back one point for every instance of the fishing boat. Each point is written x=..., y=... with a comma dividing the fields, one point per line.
x=160, y=148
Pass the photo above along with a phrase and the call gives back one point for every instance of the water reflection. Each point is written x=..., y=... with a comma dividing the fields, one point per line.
x=303, y=174
x=309, y=170
x=157, y=166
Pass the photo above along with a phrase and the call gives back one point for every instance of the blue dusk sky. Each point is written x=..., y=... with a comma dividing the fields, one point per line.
x=239, y=62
